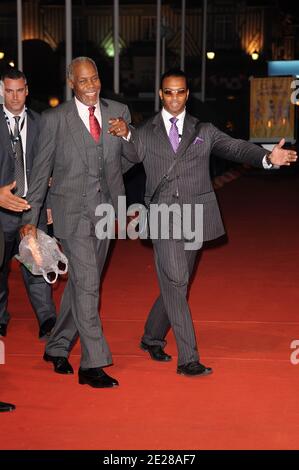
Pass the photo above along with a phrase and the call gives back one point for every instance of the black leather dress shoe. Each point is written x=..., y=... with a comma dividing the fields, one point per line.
x=61, y=364
x=156, y=352
x=97, y=378
x=46, y=327
x=194, y=368
x=6, y=406
x=3, y=329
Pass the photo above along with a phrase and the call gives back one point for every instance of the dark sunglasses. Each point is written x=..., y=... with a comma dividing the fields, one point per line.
x=180, y=92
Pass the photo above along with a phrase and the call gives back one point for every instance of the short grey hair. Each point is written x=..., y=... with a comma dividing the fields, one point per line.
x=70, y=68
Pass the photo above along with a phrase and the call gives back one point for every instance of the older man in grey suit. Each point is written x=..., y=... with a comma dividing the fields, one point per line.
x=174, y=135
x=85, y=163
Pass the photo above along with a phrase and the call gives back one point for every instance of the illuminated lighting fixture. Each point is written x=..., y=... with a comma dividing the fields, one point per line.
x=2, y=55
x=53, y=101
x=255, y=55
x=211, y=55
x=11, y=63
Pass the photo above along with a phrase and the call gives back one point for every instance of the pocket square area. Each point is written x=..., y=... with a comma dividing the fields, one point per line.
x=198, y=140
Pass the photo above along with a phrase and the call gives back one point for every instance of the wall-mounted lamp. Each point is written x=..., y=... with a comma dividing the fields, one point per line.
x=11, y=63
x=255, y=55
x=211, y=55
x=53, y=101
x=2, y=55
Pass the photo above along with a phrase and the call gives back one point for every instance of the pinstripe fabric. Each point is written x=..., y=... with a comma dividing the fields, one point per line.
x=81, y=169
x=79, y=307
x=61, y=150
x=174, y=267
x=190, y=183
x=191, y=176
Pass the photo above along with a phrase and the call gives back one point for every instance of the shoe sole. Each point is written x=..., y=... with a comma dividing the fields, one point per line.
x=194, y=375
x=153, y=358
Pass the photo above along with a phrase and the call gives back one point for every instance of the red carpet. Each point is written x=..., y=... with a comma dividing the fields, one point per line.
x=244, y=301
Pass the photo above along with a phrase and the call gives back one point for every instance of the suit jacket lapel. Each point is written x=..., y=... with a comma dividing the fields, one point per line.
x=160, y=131
x=104, y=108
x=189, y=132
x=76, y=128
x=31, y=133
x=5, y=133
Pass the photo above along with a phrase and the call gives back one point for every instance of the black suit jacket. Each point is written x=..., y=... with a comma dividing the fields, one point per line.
x=11, y=220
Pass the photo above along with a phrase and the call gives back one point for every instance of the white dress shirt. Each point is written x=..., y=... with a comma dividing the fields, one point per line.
x=84, y=113
x=23, y=132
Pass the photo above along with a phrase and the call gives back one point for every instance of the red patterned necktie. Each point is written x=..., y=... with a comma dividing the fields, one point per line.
x=95, y=128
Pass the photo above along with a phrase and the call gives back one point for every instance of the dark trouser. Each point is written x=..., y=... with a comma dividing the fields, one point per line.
x=39, y=292
x=174, y=267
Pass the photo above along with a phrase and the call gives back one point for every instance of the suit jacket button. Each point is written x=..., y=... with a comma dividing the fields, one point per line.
x=84, y=194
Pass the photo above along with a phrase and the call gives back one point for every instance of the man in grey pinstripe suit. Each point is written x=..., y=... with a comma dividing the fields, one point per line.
x=189, y=183
x=85, y=163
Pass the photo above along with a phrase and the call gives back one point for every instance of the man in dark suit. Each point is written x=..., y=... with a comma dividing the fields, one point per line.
x=4, y=406
x=175, y=134
x=18, y=205
x=19, y=128
x=85, y=160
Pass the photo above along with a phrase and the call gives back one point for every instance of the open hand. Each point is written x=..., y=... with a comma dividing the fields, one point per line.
x=280, y=156
x=11, y=202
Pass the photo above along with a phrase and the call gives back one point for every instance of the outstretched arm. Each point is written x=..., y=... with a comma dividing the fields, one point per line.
x=242, y=151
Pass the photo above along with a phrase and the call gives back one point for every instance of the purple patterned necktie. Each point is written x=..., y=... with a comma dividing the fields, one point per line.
x=174, y=134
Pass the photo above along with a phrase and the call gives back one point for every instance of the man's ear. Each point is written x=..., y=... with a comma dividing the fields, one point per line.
x=70, y=83
x=161, y=95
x=26, y=90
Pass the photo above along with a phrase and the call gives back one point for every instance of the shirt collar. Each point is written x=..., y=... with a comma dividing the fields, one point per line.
x=166, y=115
x=11, y=115
x=83, y=107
